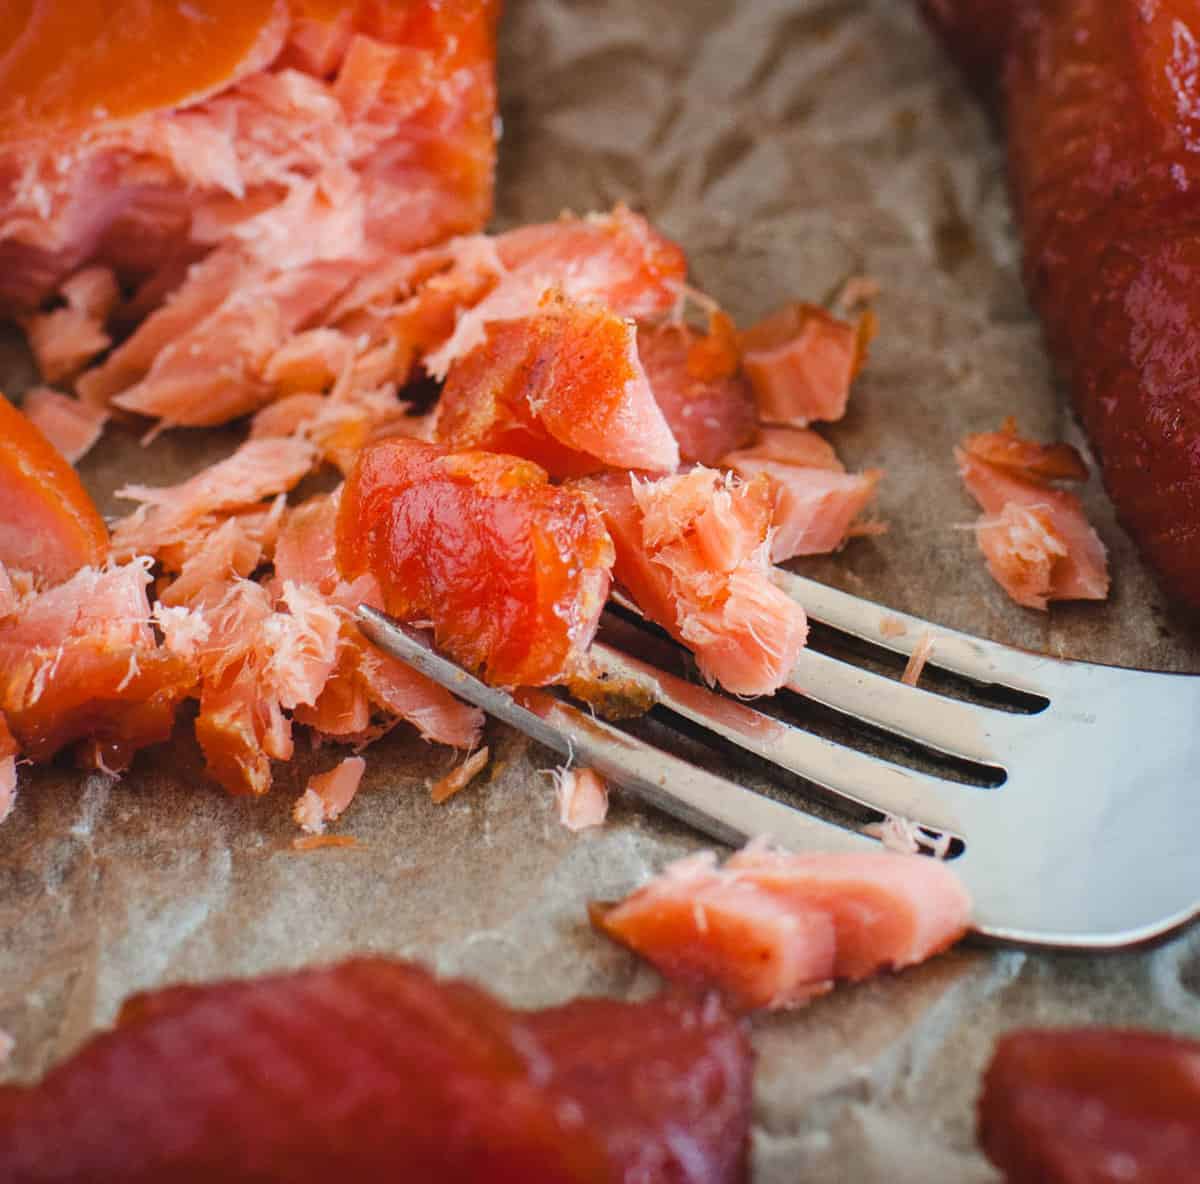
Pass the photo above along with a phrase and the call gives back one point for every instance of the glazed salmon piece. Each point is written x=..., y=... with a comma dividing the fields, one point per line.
x=365, y=676
x=460, y=1088
x=773, y=929
x=692, y=552
x=709, y=408
x=48, y=523
x=800, y=362
x=1038, y=543
x=511, y=572
x=563, y=388
x=80, y=663
x=703, y=929
x=70, y=425
x=1076, y=1105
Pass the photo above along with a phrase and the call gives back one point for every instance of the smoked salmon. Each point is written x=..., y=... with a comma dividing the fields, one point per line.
x=1038, y=543
x=564, y=388
x=351, y=1070
x=328, y=794
x=80, y=665
x=49, y=525
x=1093, y=1104
x=801, y=362
x=773, y=929
x=816, y=502
x=709, y=406
x=511, y=572
x=71, y=426
x=582, y=796
x=1099, y=101
x=692, y=551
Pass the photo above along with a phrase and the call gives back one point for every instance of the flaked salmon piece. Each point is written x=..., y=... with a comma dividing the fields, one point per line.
x=328, y=794
x=93, y=291
x=1038, y=543
x=215, y=373
x=444, y=788
x=512, y=572
x=286, y=416
x=800, y=362
x=308, y=361
x=225, y=554
x=710, y=412
x=792, y=446
x=63, y=341
x=563, y=388
x=918, y=660
x=80, y=662
x=582, y=796
x=8, y=779
x=888, y=910
x=814, y=508
x=302, y=645
x=1008, y=450
x=692, y=551
x=9, y=600
x=772, y=929
x=49, y=526
x=71, y=426
x=417, y=140
x=702, y=927
x=365, y=676
x=258, y=469
x=616, y=259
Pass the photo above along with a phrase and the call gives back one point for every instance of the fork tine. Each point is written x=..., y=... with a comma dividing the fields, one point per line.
x=975, y=733
x=713, y=805
x=866, y=780
x=972, y=657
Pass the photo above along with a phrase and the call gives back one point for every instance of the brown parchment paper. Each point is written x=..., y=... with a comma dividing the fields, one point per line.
x=787, y=144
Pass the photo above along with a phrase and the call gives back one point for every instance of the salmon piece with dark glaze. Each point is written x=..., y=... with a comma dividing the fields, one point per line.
x=563, y=388
x=511, y=572
x=48, y=523
x=692, y=551
x=1084, y=1105
x=458, y=1087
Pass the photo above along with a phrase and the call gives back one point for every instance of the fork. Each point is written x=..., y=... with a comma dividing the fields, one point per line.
x=1087, y=837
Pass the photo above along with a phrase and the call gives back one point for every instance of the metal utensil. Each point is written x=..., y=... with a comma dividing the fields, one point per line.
x=1081, y=832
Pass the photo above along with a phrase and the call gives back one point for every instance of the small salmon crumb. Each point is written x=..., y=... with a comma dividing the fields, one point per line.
x=857, y=291
x=921, y=654
x=460, y=777
x=319, y=842
x=892, y=627
x=582, y=798
x=328, y=795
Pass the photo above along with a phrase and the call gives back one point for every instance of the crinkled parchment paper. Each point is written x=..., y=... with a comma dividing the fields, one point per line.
x=787, y=144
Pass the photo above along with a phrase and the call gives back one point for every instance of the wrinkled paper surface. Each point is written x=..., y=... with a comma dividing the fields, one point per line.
x=788, y=144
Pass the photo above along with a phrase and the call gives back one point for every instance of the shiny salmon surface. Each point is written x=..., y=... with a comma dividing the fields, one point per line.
x=511, y=571
x=353, y=1070
x=1084, y=1105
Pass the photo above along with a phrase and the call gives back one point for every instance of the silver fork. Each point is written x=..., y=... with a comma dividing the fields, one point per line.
x=1092, y=841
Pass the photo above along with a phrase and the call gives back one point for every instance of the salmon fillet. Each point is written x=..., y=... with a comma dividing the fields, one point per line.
x=351, y=1070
